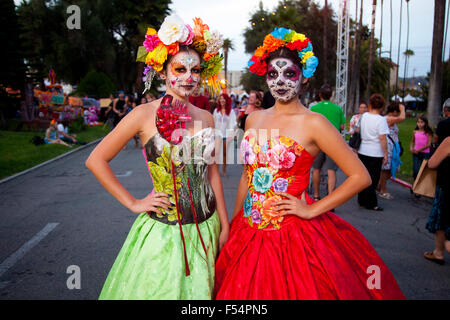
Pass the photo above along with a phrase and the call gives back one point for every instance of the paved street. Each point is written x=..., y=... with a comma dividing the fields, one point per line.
x=59, y=215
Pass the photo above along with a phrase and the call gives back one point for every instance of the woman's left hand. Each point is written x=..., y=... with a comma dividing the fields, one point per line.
x=223, y=237
x=293, y=205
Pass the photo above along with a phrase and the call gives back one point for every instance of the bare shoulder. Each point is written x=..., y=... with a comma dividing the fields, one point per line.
x=254, y=117
x=205, y=116
x=313, y=119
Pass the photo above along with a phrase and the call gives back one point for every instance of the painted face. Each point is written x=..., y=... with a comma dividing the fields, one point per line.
x=284, y=79
x=183, y=73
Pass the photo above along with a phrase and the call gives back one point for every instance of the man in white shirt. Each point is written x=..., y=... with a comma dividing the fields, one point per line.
x=373, y=149
x=65, y=136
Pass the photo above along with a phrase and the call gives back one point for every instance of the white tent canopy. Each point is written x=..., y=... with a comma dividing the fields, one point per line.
x=396, y=97
x=409, y=98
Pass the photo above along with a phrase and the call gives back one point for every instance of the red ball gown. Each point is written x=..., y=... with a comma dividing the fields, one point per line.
x=268, y=257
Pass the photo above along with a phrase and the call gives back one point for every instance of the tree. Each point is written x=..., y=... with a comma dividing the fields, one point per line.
x=434, y=95
x=111, y=32
x=96, y=84
x=355, y=78
x=227, y=45
x=407, y=52
x=325, y=47
x=371, y=50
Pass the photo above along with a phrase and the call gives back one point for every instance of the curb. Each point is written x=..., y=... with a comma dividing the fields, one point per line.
x=402, y=183
x=49, y=161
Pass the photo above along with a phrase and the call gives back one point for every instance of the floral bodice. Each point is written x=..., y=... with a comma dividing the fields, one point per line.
x=279, y=165
x=190, y=161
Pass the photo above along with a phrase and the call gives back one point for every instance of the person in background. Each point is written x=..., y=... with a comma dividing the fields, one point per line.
x=443, y=127
x=373, y=149
x=110, y=114
x=199, y=100
x=439, y=219
x=336, y=117
x=51, y=135
x=64, y=135
x=420, y=143
x=355, y=118
x=119, y=108
x=395, y=113
x=254, y=104
x=225, y=123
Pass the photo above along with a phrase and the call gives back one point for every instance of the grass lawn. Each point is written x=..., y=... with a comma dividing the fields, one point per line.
x=18, y=153
x=406, y=129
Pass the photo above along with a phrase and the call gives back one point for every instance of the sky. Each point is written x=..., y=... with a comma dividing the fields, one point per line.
x=231, y=17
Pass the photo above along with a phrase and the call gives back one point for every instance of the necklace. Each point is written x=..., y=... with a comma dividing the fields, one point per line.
x=171, y=119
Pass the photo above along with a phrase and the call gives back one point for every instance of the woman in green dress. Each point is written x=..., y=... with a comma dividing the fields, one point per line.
x=171, y=248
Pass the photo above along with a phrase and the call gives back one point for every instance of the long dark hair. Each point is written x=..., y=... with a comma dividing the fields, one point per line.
x=426, y=128
x=227, y=103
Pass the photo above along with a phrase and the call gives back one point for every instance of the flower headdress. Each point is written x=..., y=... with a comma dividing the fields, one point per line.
x=173, y=33
x=282, y=37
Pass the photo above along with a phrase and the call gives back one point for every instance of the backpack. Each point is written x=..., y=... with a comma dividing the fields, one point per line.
x=36, y=140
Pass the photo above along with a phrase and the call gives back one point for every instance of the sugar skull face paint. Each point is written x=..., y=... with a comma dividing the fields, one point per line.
x=284, y=79
x=183, y=73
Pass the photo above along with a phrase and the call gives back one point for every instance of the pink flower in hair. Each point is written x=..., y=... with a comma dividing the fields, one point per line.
x=151, y=42
x=190, y=36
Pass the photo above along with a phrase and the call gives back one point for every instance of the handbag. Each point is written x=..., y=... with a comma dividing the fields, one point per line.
x=425, y=183
x=355, y=139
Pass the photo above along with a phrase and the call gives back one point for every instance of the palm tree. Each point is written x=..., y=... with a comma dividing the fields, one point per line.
x=399, y=43
x=434, y=94
x=227, y=46
x=325, y=45
x=381, y=30
x=371, y=49
x=390, y=53
x=408, y=52
x=354, y=89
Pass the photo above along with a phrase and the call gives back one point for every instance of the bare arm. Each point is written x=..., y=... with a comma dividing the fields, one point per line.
x=106, y=150
x=442, y=152
x=391, y=120
x=413, y=142
x=241, y=193
x=330, y=142
x=383, y=140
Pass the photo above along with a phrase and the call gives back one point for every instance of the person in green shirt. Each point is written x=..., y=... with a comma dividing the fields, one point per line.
x=336, y=116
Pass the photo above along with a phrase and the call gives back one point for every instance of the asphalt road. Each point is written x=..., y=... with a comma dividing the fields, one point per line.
x=58, y=216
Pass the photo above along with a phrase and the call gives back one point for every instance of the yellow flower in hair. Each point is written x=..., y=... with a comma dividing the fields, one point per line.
x=306, y=56
x=157, y=57
x=298, y=36
x=151, y=31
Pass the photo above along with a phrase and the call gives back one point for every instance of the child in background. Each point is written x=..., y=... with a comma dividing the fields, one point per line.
x=420, y=143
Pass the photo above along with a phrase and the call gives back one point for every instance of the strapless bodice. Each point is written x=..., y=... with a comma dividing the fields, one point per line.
x=279, y=165
x=189, y=161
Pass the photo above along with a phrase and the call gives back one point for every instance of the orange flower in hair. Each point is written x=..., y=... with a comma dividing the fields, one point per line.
x=271, y=43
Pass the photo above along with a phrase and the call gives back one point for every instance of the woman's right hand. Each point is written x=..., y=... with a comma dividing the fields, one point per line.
x=152, y=202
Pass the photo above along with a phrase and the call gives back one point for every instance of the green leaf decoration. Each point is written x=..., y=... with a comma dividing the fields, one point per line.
x=141, y=54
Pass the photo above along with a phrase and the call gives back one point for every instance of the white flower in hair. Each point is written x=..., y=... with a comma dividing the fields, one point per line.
x=173, y=29
x=213, y=41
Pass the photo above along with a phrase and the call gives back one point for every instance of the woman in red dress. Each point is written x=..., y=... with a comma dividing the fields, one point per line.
x=283, y=244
